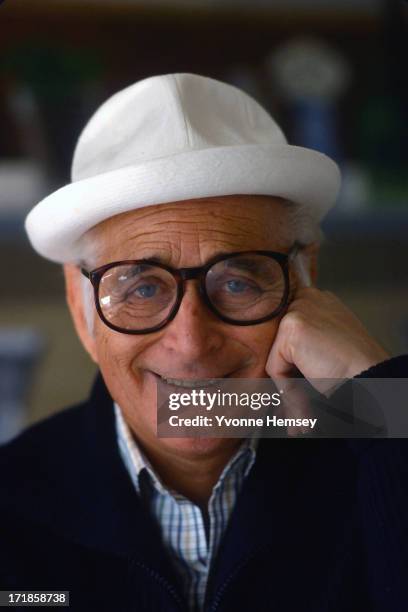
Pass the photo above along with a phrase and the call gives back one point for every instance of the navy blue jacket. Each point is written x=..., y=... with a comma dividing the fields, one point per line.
x=319, y=526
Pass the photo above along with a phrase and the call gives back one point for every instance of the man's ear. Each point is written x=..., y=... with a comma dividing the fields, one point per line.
x=312, y=252
x=75, y=300
x=306, y=264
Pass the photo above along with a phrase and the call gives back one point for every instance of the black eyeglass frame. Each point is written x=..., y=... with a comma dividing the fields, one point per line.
x=181, y=275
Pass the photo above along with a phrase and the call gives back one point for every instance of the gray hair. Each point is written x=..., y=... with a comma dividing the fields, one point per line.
x=304, y=226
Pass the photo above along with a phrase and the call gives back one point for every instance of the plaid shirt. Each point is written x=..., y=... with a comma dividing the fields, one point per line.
x=191, y=538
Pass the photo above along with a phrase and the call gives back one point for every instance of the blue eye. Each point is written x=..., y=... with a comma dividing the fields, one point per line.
x=146, y=291
x=236, y=286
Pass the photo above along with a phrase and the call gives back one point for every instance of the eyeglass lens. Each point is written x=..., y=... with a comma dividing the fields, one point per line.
x=141, y=296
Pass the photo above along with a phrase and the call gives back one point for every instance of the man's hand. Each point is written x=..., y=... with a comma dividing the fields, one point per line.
x=320, y=337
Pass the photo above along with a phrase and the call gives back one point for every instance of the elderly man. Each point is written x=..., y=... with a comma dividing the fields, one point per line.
x=189, y=238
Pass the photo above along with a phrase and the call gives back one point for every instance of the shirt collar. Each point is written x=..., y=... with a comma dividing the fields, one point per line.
x=136, y=461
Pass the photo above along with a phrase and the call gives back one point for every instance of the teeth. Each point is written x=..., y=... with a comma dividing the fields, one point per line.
x=189, y=384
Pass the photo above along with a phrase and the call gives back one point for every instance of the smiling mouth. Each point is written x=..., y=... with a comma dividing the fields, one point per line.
x=190, y=383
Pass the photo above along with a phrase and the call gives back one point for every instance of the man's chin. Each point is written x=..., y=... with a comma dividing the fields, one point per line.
x=199, y=446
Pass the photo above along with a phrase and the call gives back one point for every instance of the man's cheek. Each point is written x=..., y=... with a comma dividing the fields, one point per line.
x=112, y=349
x=102, y=344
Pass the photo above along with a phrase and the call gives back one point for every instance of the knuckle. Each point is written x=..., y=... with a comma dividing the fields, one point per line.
x=294, y=320
x=298, y=303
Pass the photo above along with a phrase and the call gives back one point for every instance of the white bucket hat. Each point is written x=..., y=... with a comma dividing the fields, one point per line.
x=176, y=137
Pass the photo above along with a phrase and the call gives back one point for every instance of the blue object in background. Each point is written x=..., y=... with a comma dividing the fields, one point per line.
x=20, y=350
x=315, y=122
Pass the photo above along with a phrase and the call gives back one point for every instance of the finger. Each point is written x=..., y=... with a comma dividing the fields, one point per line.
x=295, y=404
x=286, y=376
x=280, y=362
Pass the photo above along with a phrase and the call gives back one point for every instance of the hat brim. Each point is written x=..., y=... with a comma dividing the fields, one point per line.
x=301, y=175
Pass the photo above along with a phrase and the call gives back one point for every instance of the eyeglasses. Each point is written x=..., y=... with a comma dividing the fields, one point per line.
x=141, y=296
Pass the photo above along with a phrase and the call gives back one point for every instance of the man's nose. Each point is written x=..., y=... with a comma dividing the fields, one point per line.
x=195, y=331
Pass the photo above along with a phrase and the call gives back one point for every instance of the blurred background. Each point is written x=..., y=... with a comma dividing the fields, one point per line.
x=333, y=74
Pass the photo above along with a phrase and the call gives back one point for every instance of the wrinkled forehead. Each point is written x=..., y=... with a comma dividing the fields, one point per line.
x=198, y=228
